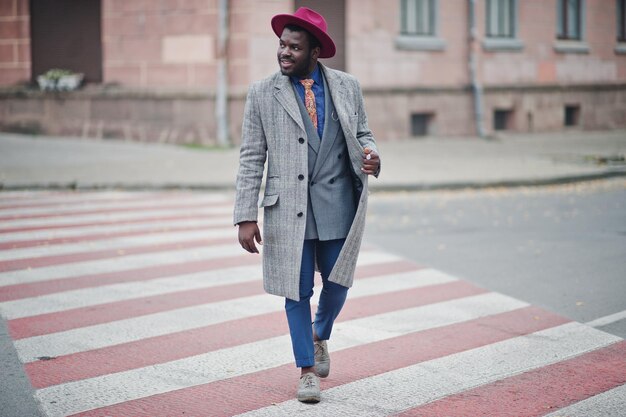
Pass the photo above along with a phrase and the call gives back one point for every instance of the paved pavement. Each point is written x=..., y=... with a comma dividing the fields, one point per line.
x=125, y=303
x=45, y=162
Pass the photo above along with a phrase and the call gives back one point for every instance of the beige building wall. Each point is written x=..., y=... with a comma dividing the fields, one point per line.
x=539, y=62
x=173, y=44
x=373, y=57
x=160, y=61
x=534, y=82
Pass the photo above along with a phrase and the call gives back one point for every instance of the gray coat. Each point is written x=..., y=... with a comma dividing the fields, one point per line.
x=273, y=130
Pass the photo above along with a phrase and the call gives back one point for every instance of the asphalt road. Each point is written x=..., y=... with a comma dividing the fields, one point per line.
x=559, y=247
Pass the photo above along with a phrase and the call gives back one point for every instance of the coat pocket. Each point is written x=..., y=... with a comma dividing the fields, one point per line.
x=269, y=200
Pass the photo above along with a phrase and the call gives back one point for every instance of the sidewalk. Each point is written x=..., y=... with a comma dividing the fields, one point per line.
x=39, y=162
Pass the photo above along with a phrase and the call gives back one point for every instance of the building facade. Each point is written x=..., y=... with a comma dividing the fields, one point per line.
x=157, y=70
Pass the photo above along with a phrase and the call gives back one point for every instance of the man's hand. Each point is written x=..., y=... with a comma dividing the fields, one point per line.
x=371, y=162
x=248, y=232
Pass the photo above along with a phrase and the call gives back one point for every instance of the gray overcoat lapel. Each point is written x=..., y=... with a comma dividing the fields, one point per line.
x=331, y=128
x=285, y=95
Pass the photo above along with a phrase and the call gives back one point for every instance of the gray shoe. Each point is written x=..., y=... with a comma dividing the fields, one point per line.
x=322, y=358
x=309, y=388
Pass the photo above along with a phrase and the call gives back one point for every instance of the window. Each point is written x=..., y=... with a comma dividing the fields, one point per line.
x=502, y=119
x=417, y=17
x=572, y=115
x=569, y=25
x=66, y=34
x=501, y=18
x=418, y=26
x=421, y=123
x=621, y=20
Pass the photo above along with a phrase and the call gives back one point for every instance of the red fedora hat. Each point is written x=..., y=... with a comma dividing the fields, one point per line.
x=311, y=21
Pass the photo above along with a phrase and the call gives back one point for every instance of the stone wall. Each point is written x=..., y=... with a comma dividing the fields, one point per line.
x=189, y=117
x=138, y=116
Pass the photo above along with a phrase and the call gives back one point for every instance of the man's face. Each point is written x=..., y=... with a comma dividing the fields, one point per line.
x=294, y=54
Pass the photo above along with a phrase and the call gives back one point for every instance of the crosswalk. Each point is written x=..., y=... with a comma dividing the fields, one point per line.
x=143, y=304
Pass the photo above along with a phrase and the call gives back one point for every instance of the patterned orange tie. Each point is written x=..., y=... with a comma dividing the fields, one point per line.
x=309, y=100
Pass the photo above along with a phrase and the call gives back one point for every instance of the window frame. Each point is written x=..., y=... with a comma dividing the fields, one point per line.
x=564, y=43
x=510, y=43
x=564, y=18
x=620, y=12
x=512, y=18
x=404, y=18
x=414, y=41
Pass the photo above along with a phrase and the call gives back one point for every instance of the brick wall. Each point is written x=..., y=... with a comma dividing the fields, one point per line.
x=173, y=44
x=164, y=43
x=163, y=55
x=14, y=42
x=538, y=62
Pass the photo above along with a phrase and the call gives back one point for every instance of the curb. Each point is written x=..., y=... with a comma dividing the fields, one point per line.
x=416, y=187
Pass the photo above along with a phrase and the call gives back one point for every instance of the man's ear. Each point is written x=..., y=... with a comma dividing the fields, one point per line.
x=315, y=52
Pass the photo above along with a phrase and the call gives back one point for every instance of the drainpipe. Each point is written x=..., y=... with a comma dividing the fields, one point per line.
x=477, y=89
x=221, y=98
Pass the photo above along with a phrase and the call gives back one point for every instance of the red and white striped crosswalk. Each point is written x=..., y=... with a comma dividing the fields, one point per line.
x=143, y=304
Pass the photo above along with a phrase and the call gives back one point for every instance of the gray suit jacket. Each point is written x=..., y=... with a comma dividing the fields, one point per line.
x=331, y=205
x=274, y=132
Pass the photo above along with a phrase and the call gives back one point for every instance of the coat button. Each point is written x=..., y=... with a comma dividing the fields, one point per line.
x=301, y=140
x=339, y=156
x=332, y=181
x=300, y=214
x=300, y=177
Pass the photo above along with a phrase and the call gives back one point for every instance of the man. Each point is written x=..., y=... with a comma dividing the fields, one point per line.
x=308, y=122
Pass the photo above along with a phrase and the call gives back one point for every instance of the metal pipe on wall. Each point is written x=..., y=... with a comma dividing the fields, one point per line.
x=477, y=90
x=221, y=97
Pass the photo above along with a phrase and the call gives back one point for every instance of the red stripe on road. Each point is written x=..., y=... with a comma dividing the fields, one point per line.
x=112, y=222
x=103, y=313
x=120, y=310
x=39, y=199
x=74, y=200
x=17, y=291
x=252, y=391
x=537, y=392
x=156, y=229
x=155, y=206
x=43, y=261
x=188, y=343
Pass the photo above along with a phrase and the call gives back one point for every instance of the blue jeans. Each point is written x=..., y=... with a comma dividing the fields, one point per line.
x=330, y=303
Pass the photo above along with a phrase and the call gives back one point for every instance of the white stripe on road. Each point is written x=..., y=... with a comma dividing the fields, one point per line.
x=71, y=208
x=74, y=397
x=129, y=262
x=46, y=197
x=115, y=243
x=606, y=320
x=396, y=391
x=187, y=318
x=76, y=219
x=611, y=403
x=86, y=297
x=118, y=264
